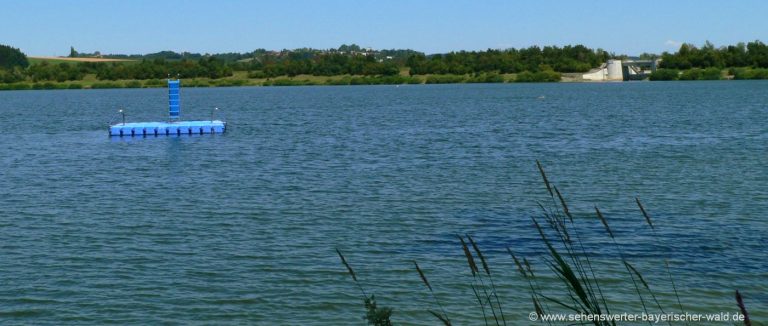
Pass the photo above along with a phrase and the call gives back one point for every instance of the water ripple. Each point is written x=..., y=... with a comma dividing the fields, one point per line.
x=241, y=228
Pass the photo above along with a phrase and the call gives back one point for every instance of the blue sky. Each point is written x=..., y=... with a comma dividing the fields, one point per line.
x=143, y=26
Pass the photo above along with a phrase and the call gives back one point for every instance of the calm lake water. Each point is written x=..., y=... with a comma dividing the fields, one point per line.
x=241, y=228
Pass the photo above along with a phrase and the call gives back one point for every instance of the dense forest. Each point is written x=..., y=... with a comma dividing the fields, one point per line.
x=743, y=61
x=533, y=59
x=753, y=54
x=345, y=60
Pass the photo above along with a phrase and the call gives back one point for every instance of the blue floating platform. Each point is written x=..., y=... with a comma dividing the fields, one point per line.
x=168, y=128
x=174, y=127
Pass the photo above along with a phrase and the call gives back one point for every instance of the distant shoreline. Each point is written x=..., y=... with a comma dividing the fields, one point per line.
x=240, y=80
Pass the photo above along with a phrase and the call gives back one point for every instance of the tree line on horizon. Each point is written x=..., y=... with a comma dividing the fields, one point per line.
x=345, y=60
x=742, y=61
x=546, y=61
x=753, y=54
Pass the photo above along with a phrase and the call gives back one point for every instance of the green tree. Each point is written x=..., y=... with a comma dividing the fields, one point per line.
x=12, y=57
x=577, y=58
x=757, y=52
x=754, y=54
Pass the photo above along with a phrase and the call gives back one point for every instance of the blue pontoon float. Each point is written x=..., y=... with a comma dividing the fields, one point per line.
x=174, y=126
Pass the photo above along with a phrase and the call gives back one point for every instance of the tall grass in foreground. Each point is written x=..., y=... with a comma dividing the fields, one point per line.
x=743, y=309
x=566, y=258
x=374, y=315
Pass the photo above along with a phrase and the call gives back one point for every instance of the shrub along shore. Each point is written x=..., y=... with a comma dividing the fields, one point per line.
x=300, y=80
x=310, y=80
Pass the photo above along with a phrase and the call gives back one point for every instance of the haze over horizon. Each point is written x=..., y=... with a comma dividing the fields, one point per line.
x=49, y=28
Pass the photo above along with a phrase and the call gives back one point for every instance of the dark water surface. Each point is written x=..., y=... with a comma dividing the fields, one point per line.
x=241, y=228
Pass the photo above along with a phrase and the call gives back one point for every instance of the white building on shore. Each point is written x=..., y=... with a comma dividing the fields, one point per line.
x=610, y=71
x=618, y=70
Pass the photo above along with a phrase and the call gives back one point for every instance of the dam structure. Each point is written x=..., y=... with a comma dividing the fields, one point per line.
x=174, y=126
x=622, y=70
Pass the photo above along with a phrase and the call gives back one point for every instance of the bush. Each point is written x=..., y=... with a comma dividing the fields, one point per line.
x=749, y=73
x=342, y=81
x=154, y=83
x=257, y=74
x=487, y=78
x=759, y=74
x=286, y=82
x=381, y=80
x=133, y=84
x=106, y=85
x=701, y=74
x=20, y=86
x=690, y=74
x=229, y=82
x=665, y=74
x=47, y=85
x=711, y=74
x=543, y=76
x=11, y=76
x=391, y=80
x=197, y=83
x=75, y=86
x=372, y=80
x=445, y=79
x=359, y=81
x=415, y=80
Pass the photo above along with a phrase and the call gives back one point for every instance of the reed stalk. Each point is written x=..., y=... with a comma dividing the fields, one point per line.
x=444, y=316
x=567, y=259
x=352, y=273
x=648, y=220
x=374, y=315
x=585, y=274
x=490, y=277
x=743, y=309
x=477, y=276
